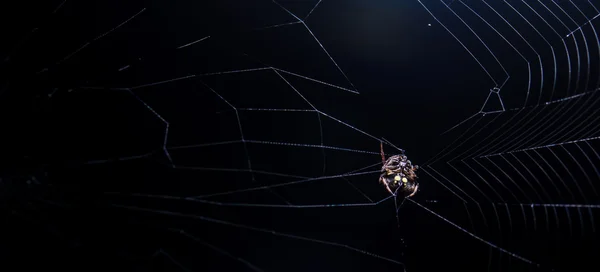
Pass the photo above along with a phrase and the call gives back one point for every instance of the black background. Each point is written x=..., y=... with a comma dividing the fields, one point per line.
x=73, y=114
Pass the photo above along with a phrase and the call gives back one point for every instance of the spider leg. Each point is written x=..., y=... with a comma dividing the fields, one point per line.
x=414, y=192
x=382, y=154
x=388, y=188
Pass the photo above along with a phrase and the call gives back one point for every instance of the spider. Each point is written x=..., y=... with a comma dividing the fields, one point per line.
x=398, y=174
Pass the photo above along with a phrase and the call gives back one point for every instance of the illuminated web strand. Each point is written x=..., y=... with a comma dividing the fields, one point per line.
x=239, y=124
x=192, y=43
x=288, y=183
x=101, y=88
x=394, y=146
x=350, y=126
x=511, y=45
x=488, y=98
x=581, y=223
x=253, y=205
x=549, y=45
x=559, y=205
x=494, y=112
x=244, y=142
x=501, y=128
x=551, y=181
x=356, y=189
x=235, y=72
x=496, y=178
x=535, y=52
x=589, y=160
x=497, y=135
x=537, y=181
x=92, y=41
x=277, y=110
x=166, y=133
x=224, y=73
x=272, y=143
x=470, y=182
x=199, y=75
x=172, y=259
x=27, y=36
x=218, y=249
x=574, y=40
x=118, y=26
x=461, y=43
x=514, y=125
x=318, y=116
x=67, y=57
x=548, y=178
x=318, y=42
x=587, y=177
x=535, y=218
x=255, y=171
x=518, y=131
x=460, y=123
x=549, y=166
x=569, y=220
x=595, y=35
x=510, y=178
x=540, y=147
x=589, y=22
x=588, y=131
x=304, y=179
x=436, y=179
x=567, y=98
x=546, y=133
x=162, y=82
x=312, y=146
x=126, y=158
x=483, y=180
x=581, y=126
x=286, y=10
x=554, y=57
x=444, y=152
x=257, y=229
x=263, y=68
x=472, y=135
x=495, y=191
x=587, y=49
x=519, y=257
x=456, y=186
x=59, y=6
x=482, y=42
x=315, y=80
x=277, y=25
x=563, y=42
x=204, y=144
x=570, y=174
x=281, y=70
x=577, y=48
x=313, y=9
x=498, y=219
x=541, y=128
x=593, y=223
x=330, y=57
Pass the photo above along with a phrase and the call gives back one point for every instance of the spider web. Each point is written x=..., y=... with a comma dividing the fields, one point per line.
x=186, y=132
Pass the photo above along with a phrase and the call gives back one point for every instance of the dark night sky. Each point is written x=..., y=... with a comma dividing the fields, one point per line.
x=112, y=119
